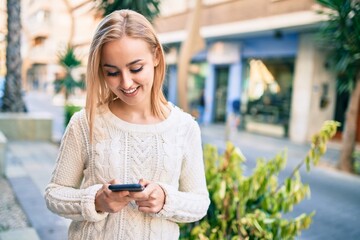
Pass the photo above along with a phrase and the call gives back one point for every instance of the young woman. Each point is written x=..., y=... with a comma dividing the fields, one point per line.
x=128, y=133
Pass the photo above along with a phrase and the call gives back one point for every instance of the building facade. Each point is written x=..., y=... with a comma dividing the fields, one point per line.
x=48, y=27
x=260, y=59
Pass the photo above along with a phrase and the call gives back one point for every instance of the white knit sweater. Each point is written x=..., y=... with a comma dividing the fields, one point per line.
x=168, y=153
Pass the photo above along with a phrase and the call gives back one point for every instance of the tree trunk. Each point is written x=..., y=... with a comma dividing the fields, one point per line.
x=191, y=45
x=12, y=99
x=349, y=134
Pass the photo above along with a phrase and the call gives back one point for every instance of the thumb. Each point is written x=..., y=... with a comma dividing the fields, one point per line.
x=144, y=182
x=114, y=181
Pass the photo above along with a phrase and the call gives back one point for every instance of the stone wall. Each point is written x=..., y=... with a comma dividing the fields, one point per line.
x=26, y=126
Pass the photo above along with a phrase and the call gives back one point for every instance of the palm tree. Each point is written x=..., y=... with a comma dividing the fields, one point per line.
x=148, y=8
x=67, y=84
x=341, y=36
x=12, y=99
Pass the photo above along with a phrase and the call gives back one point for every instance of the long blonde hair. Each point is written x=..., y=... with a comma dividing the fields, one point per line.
x=114, y=26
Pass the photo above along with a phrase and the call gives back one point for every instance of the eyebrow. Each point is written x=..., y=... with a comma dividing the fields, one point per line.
x=128, y=64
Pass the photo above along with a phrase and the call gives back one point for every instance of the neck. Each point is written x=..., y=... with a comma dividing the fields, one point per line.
x=139, y=114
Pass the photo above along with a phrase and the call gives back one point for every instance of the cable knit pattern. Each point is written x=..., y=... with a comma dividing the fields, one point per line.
x=168, y=153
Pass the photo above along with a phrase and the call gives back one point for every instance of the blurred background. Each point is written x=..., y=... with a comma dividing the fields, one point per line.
x=261, y=69
x=261, y=58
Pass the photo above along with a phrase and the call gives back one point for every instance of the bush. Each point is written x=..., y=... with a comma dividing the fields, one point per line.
x=69, y=111
x=356, y=161
x=252, y=207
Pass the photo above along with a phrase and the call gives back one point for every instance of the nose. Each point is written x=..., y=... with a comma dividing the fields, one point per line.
x=126, y=81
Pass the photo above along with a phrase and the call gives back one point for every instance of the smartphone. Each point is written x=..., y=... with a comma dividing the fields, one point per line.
x=134, y=187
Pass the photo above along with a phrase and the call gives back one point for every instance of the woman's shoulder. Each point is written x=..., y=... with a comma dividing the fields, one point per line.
x=78, y=116
x=185, y=123
x=182, y=116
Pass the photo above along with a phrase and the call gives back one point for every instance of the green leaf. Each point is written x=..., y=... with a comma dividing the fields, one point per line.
x=329, y=4
x=288, y=185
x=222, y=190
x=307, y=161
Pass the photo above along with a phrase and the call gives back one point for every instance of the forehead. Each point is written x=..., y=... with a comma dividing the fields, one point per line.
x=125, y=48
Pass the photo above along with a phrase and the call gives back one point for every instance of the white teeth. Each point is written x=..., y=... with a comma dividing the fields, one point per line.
x=129, y=91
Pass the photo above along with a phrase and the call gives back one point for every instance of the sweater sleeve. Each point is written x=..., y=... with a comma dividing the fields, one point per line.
x=63, y=195
x=190, y=202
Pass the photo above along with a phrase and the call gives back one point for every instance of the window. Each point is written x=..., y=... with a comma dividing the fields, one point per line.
x=267, y=90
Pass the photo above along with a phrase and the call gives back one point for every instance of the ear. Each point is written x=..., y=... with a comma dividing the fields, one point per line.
x=156, y=57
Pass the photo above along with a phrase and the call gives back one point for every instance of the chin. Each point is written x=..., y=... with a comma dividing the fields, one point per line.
x=131, y=101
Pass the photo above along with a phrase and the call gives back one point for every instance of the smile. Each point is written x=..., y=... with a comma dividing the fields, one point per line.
x=129, y=91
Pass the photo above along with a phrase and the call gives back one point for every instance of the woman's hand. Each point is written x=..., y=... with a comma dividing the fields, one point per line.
x=112, y=202
x=151, y=199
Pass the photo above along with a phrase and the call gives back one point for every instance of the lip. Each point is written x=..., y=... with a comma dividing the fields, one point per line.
x=130, y=92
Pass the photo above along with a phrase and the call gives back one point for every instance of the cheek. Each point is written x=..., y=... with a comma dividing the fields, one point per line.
x=111, y=82
x=147, y=77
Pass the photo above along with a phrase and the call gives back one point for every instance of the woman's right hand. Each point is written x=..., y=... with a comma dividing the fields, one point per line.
x=112, y=202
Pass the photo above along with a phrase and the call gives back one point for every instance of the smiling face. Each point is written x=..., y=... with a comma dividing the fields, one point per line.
x=128, y=69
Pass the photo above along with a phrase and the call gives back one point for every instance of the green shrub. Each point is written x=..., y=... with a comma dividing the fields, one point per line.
x=252, y=207
x=69, y=111
x=356, y=161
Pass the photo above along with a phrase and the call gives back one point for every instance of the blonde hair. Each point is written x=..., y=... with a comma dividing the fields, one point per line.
x=114, y=26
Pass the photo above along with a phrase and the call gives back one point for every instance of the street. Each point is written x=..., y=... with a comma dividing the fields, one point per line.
x=335, y=196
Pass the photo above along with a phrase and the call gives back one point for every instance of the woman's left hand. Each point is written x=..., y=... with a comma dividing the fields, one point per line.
x=151, y=199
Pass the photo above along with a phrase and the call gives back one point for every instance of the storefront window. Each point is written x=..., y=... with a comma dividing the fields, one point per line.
x=267, y=91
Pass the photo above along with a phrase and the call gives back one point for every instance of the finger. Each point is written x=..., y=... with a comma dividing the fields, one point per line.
x=144, y=209
x=149, y=193
x=144, y=182
x=150, y=188
x=154, y=194
x=105, y=190
x=149, y=209
x=122, y=196
x=138, y=196
x=114, y=181
x=121, y=193
x=144, y=204
x=153, y=202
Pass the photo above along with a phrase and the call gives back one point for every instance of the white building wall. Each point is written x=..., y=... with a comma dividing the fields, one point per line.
x=307, y=116
x=322, y=78
x=302, y=88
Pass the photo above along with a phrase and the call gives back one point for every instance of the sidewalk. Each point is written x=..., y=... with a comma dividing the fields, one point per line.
x=30, y=164
x=29, y=167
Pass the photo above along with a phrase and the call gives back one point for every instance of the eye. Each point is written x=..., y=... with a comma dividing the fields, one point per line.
x=136, y=70
x=112, y=74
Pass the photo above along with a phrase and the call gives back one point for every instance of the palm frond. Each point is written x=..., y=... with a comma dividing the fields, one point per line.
x=340, y=37
x=68, y=59
x=149, y=8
